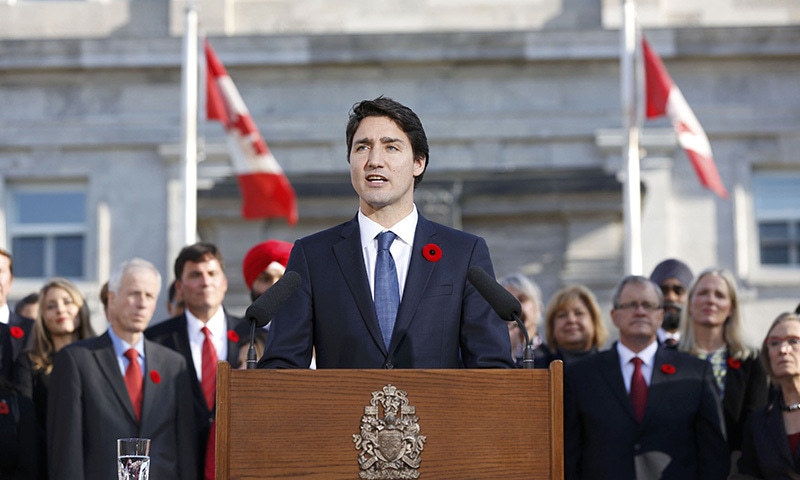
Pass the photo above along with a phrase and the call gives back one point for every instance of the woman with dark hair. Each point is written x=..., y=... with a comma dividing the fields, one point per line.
x=63, y=318
x=772, y=433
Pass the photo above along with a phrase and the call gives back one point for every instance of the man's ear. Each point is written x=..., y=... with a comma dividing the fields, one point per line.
x=419, y=166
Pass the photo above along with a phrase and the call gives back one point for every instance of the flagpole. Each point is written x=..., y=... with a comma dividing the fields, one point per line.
x=189, y=88
x=631, y=191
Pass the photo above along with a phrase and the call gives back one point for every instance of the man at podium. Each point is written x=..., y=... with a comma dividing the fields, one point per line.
x=387, y=289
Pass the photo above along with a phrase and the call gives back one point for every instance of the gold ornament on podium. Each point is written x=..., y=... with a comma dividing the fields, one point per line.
x=389, y=446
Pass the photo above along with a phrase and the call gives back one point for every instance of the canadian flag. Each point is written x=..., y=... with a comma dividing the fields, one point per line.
x=266, y=192
x=664, y=97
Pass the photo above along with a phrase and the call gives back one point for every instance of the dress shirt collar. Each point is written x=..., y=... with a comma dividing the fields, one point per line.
x=647, y=355
x=121, y=346
x=404, y=229
x=216, y=324
x=5, y=314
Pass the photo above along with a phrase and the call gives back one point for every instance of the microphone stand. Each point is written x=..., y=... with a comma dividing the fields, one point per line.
x=251, y=352
x=528, y=352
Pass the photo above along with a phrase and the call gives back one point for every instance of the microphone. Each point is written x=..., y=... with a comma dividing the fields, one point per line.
x=260, y=312
x=500, y=299
x=504, y=304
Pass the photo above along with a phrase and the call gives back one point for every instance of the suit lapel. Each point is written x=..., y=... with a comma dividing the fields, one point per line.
x=107, y=362
x=419, y=273
x=152, y=364
x=180, y=338
x=734, y=388
x=233, y=347
x=776, y=434
x=613, y=373
x=657, y=382
x=350, y=258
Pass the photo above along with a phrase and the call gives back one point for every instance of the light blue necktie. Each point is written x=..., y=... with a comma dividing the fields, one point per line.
x=387, y=290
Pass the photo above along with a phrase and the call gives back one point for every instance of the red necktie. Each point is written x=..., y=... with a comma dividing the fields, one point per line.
x=209, y=384
x=638, y=389
x=133, y=380
x=209, y=376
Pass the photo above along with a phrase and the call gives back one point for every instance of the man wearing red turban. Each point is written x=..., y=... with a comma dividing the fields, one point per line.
x=264, y=265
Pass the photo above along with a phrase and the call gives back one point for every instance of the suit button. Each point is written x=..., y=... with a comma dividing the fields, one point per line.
x=388, y=365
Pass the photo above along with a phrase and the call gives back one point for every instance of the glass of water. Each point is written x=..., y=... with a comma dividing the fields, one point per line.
x=133, y=458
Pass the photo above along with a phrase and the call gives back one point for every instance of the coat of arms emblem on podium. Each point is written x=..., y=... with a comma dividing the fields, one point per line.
x=389, y=446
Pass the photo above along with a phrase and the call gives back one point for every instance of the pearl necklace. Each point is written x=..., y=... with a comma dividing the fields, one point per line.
x=790, y=408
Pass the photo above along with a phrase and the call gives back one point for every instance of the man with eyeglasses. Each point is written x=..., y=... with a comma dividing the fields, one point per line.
x=674, y=278
x=640, y=410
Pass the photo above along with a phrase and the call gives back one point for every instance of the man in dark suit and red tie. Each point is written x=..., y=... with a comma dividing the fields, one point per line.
x=204, y=333
x=640, y=410
x=120, y=385
x=387, y=289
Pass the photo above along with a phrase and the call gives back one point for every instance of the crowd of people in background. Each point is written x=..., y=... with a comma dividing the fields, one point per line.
x=62, y=408
x=739, y=415
x=680, y=395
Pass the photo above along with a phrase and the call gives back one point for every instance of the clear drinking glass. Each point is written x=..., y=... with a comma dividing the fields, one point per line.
x=133, y=458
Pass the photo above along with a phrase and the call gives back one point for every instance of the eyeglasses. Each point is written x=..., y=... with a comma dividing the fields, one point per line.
x=647, y=306
x=775, y=343
x=676, y=289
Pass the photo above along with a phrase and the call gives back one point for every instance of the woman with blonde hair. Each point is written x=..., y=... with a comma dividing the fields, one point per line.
x=530, y=299
x=772, y=434
x=574, y=327
x=711, y=329
x=63, y=318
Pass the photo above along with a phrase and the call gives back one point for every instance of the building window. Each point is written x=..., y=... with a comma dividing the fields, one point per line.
x=47, y=230
x=777, y=210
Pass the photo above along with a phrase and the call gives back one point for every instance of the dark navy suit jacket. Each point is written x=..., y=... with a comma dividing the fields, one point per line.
x=21, y=344
x=765, y=448
x=89, y=408
x=172, y=334
x=746, y=390
x=442, y=321
x=682, y=434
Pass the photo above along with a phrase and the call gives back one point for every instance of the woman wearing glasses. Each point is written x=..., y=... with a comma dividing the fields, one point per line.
x=711, y=328
x=772, y=434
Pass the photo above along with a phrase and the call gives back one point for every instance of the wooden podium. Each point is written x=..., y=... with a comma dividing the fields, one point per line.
x=477, y=424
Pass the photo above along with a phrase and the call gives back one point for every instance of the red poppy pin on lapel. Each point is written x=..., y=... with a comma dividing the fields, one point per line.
x=17, y=332
x=432, y=252
x=3, y=408
x=155, y=376
x=734, y=363
x=668, y=368
x=233, y=336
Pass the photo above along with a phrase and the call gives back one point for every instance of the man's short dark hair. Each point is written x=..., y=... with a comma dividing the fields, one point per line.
x=29, y=299
x=197, y=253
x=404, y=117
x=171, y=292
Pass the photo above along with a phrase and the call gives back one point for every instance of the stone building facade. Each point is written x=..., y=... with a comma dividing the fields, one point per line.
x=520, y=99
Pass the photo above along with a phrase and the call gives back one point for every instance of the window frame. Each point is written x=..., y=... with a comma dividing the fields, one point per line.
x=49, y=231
x=748, y=240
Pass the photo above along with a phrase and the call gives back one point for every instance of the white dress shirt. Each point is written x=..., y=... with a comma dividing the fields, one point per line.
x=219, y=337
x=400, y=249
